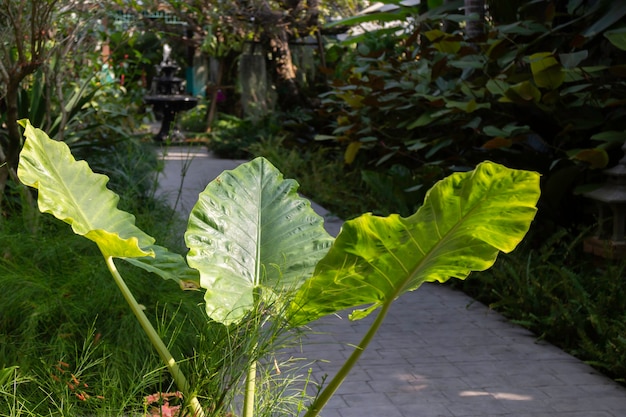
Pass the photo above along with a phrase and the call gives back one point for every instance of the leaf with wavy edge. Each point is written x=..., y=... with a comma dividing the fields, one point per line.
x=465, y=221
x=250, y=231
x=72, y=192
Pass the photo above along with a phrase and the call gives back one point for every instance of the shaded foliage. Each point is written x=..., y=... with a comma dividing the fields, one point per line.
x=544, y=93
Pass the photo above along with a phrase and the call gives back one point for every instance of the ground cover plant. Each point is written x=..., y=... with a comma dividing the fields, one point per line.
x=247, y=234
x=563, y=295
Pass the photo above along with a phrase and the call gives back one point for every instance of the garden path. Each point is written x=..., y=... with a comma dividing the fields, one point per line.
x=439, y=353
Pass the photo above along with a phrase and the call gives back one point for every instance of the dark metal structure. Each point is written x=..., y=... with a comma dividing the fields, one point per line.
x=167, y=94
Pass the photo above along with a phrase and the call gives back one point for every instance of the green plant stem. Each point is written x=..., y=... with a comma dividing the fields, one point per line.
x=331, y=388
x=157, y=342
x=249, y=398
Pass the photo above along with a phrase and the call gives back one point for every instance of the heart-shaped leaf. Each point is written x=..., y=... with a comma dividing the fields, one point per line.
x=250, y=233
x=465, y=221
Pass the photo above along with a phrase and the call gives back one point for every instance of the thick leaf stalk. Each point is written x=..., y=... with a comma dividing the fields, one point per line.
x=157, y=342
x=329, y=390
x=250, y=391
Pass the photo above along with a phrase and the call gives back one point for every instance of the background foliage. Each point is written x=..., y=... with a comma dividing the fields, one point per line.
x=544, y=92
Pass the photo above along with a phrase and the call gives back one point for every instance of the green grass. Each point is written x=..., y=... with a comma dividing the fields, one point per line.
x=321, y=173
x=60, y=306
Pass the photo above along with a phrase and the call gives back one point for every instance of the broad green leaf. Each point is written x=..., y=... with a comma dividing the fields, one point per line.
x=360, y=19
x=465, y=221
x=249, y=234
x=467, y=106
x=612, y=136
x=617, y=37
x=615, y=12
x=444, y=42
x=72, y=192
x=497, y=87
x=497, y=143
x=573, y=59
x=523, y=92
x=424, y=119
x=547, y=71
x=523, y=28
x=596, y=158
x=168, y=265
x=506, y=131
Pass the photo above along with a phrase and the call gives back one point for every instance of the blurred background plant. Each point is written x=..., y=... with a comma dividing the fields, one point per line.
x=540, y=89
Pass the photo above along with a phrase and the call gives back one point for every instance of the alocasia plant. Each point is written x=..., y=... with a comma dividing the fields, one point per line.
x=252, y=237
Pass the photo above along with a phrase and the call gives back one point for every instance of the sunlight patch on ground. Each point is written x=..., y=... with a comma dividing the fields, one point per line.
x=497, y=395
x=183, y=156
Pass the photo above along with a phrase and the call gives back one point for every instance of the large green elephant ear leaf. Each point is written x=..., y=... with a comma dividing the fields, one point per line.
x=250, y=233
x=72, y=192
x=465, y=221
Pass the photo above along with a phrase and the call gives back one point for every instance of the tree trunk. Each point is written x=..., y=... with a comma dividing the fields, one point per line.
x=214, y=94
x=286, y=85
x=475, y=27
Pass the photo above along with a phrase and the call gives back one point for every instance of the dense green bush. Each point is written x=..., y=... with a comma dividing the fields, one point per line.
x=194, y=120
x=231, y=136
x=566, y=297
x=542, y=93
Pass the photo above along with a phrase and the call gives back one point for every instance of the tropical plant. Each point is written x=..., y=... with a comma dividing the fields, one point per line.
x=257, y=248
x=541, y=93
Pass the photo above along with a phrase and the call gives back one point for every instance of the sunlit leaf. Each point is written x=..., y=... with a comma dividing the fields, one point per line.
x=251, y=235
x=72, y=192
x=465, y=221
